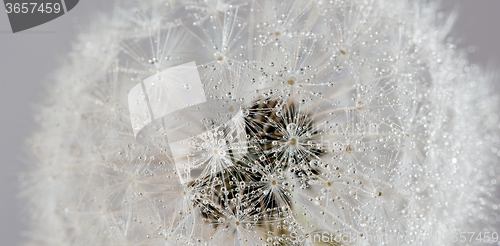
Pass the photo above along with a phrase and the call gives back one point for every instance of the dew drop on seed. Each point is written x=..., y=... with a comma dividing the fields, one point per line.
x=291, y=127
x=245, y=112
x=359, y=104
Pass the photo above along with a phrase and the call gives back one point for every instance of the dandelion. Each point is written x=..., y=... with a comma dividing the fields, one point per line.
x=311, y=123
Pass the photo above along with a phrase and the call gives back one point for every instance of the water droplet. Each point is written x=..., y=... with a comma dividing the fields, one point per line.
x=245, y=112
x=359, y=104
x=291, y=127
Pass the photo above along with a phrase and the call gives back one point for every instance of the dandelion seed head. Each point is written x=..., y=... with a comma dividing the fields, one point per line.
x=339, y=118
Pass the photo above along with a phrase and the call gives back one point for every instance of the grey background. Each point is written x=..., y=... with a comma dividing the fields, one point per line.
x=28, y=57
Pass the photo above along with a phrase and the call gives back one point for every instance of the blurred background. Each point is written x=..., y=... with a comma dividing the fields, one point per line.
x=28, y=57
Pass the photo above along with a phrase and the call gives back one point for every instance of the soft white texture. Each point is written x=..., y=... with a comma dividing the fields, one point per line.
x=406, y=128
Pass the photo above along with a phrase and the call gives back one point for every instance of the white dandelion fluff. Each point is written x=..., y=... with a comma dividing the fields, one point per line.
x=298, y=123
